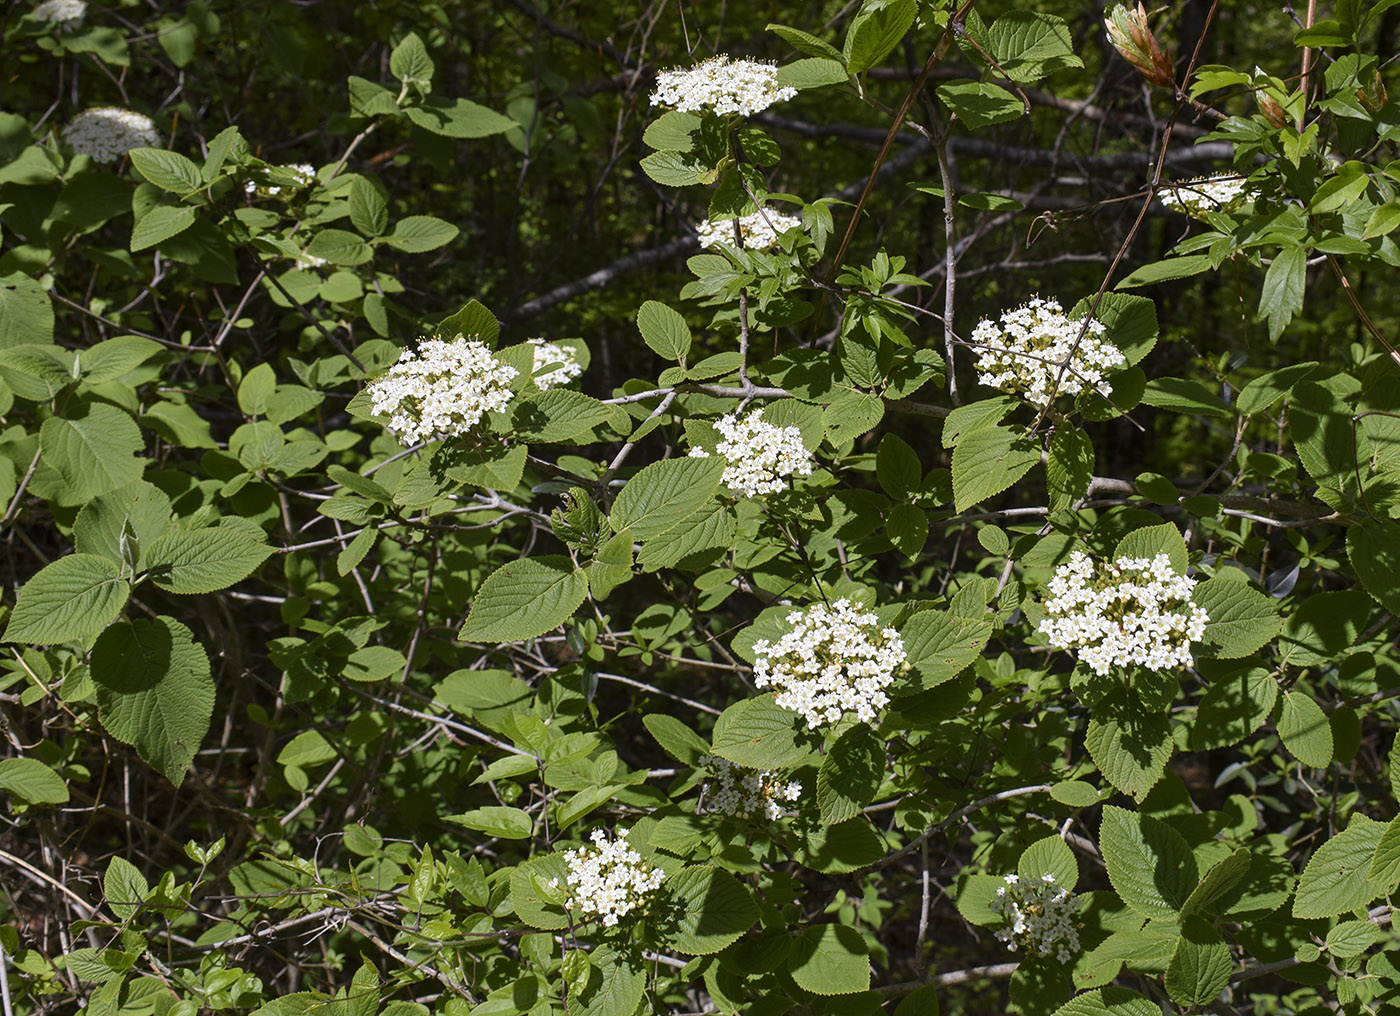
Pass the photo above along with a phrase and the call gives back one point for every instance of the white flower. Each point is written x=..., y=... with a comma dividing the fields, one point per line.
x=565, y=356
x=609, y=879
x=744, y=793
x=761, y=456
x=1204, y=194
x=760, y=229
x=831, y=662
x=65, y=15
x=441, y=389
x=1133, y=612
x=721, y=85
x=1040, y=917
x=1025, y=354
x=301, y=174
x=107, y=133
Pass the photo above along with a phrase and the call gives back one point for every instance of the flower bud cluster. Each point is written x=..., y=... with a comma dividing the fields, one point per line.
x=833, y=661
x=608, y=880
x=761, y=456
x=1026, y=353
x=1128, y=33
x=721, y=85
x=564, y=356
x=760, y=229
x=442, y=389
x=65, y=15
x=745, y=793
x=1133, y=612
x=1206, y=194
x=107, y=133
x=1040, y=917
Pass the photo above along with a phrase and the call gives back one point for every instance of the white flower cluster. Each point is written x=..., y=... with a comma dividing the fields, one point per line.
x=1206, y=194
x=1039, y=917
x=760, y=229
x=1133, y=612
x=441, y=389
x=831, y=662
x=745, y=793
x=302, y=174
x=722, y=85
x=65, y=15
x=547, y=353
x=107, y=133
x=761, y=455
x=609, y=879
x=1024, y=355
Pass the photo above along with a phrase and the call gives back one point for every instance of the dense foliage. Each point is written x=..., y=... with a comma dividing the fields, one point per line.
x=527, y=508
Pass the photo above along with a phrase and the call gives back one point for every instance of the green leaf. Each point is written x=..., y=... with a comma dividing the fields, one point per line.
x=707, y=909
x=1352, y=938
x=804, y=42
x=494, y=467
x=203, y=560
x=1150, y=865
x=812, y=72
x=1075, y=794
x=26, y=313
x=1383, y=221
x=416, y=234
x=1385, y=864
x=114, y=358
x=130, y=517
x=664, y=330
x=472, y=321
x=850, y=775
x=1069, y=468
x=154, y=691
x=1028, y=45
x=160, y=224
x=340, y=247
x=975, y=416
x=664, y=494
x=673, y=131
x=1218, y=883
x=1242, y=619
x=675, y=169
x=1109, y=1002
x=1130, y=746
x=526, y=882
x=979, y=104
x=680, y=741
x=1261, y=393
x=504, y=823
x=170, y=171
x=1184, y=395
x=1336, y=878
x=1326, y=624
x=307, y=750
x=1049, y=856
x=373, y=663
x=987, y=461
x=1233, y=708
x=1165, y=271
x=555, y=415
x=703, y=533
x=1149, y=541
x=1374, y=551
x=94, y=453
x=615, y=985
x=124, y=888
x=875, y=31
x=458, y=118
x=1200, y=966
x=1304, y=729
x=897, y=467
x=1282, y=296
x=524, y=599
x=32, y=781
x=907, y=528
x=409, y=62
x=851, y=416
x=73, y=598
x=758, y=733
x=830, y=959
x=368, y=210
x=940, y=645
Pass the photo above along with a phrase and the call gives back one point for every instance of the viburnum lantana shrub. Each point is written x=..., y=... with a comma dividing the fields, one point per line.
x=530, y=509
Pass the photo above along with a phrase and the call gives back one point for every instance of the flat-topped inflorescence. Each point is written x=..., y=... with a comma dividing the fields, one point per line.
x=106, y=133
x=761, y=456
x=1025, y=355
x=746, y=793
x=832, y=661
x=564, y=357
x=1132, y=612
x=760, y=230
x=721, y=85
x=1040, y=917
x=607, y=880
x=441, y=389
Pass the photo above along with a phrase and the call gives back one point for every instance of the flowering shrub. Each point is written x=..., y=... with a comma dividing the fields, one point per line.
x=728, y=655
